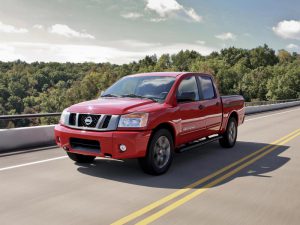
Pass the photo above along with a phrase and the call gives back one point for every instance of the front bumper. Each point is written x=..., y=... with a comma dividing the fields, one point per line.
x=136, y=142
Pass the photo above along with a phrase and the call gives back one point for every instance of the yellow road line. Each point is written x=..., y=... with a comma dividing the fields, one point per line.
x=197, y=192
x=169, y=197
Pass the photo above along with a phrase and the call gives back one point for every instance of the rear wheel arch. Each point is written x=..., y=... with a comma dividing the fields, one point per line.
x=229, y=137
x=235, y=115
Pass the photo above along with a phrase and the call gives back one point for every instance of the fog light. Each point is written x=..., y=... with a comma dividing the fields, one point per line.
x=123, y=148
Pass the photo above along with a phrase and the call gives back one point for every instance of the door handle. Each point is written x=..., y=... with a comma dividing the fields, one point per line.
x=201, y=107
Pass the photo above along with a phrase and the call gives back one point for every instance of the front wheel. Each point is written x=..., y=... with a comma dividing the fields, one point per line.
x=229, y=137
x=81, y=158
x=160, y=153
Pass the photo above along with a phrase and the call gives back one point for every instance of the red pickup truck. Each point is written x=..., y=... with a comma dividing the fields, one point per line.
x=150, y=116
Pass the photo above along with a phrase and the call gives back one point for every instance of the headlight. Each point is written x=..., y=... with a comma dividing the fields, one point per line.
x=134, y=120
x=64, y=117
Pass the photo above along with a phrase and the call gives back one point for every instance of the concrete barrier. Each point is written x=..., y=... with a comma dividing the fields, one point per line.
x=270, y=107
x=25, y=137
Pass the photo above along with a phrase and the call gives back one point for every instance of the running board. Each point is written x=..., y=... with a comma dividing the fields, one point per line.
x=199, y=143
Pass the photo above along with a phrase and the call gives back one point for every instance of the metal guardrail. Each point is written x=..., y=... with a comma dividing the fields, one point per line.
x=27, y=120
x=26, y=116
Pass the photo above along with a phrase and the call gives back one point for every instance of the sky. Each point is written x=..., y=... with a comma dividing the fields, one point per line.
x=120, y=31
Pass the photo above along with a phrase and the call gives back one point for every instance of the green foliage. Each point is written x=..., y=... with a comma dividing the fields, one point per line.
x=257, y=74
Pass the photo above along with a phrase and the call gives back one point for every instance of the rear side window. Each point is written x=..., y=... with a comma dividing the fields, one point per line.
x=207, y=87
x=188, y=88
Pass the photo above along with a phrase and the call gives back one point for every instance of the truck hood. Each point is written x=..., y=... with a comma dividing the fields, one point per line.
x=113, y=106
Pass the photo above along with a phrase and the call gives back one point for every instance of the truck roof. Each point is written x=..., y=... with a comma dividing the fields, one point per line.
x=171, y=74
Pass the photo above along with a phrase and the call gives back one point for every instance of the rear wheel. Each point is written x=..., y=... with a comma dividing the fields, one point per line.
x=81, y=158
x=159, y=154
x=229, y=137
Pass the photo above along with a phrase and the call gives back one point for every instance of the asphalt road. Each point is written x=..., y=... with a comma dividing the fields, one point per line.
x=256, y=182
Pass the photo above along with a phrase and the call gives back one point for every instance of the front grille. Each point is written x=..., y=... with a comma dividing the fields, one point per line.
x=99, y=122
x=85, y=145
x=106, y=122
x=88, y=120
x=72, y=119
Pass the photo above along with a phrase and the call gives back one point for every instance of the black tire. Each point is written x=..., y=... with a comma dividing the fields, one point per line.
x=159, y=153
x=81, y=158
x=229, y=137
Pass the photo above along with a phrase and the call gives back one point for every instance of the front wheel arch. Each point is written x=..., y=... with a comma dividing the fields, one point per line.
x=168, y=126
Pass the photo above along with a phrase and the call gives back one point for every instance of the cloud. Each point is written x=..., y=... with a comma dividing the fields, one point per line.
x=38, y=26
x=5, y=28
x=288, y=29
x=130, y=43
x=163, y=8
x=293, y=47
x=226, y=36
x=132, y=15
x=8, y=53
x=200, y=42
x=168, y=8
x=176, y=47
x=192, y=13
x=157, y=20
x=65, y=30
x=46, y=52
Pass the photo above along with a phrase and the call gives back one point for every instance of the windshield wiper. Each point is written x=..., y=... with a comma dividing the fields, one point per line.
x=139, y=96
x=109, y=95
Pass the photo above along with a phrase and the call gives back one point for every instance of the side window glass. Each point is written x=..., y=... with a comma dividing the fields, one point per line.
x=188, y=90
x=207, y=87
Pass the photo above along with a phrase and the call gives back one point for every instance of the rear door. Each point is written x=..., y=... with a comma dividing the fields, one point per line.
x=212, y=105
x=192, y=124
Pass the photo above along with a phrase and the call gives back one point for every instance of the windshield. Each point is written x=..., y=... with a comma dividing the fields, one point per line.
x=152, y=87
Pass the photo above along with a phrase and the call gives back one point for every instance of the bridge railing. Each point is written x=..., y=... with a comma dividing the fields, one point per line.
x=28, y=116
x=27, y=120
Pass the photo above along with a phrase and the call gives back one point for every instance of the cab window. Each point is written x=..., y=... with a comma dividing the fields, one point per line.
x=188, y=90
x=207, y=87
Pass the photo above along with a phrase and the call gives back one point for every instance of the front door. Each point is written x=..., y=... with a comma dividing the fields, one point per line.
x=192, y=120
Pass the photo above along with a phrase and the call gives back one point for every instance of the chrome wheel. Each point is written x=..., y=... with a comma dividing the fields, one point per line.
x=232, y=132
x=229, y=136
x=162, y=151
x=159, y=153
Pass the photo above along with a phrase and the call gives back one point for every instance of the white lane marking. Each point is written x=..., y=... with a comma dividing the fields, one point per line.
x=256, y=118
x=32, y=163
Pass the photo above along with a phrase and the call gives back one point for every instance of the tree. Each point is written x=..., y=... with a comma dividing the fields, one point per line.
x=284, y=56
x=183, y=59
x=164, y=63
x=232, y=55
x=263, y=56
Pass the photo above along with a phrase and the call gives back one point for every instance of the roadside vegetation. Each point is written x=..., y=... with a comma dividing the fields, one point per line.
x=257, y=74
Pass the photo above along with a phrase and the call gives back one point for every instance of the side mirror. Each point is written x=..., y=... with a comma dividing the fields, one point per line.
x=186, y=97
